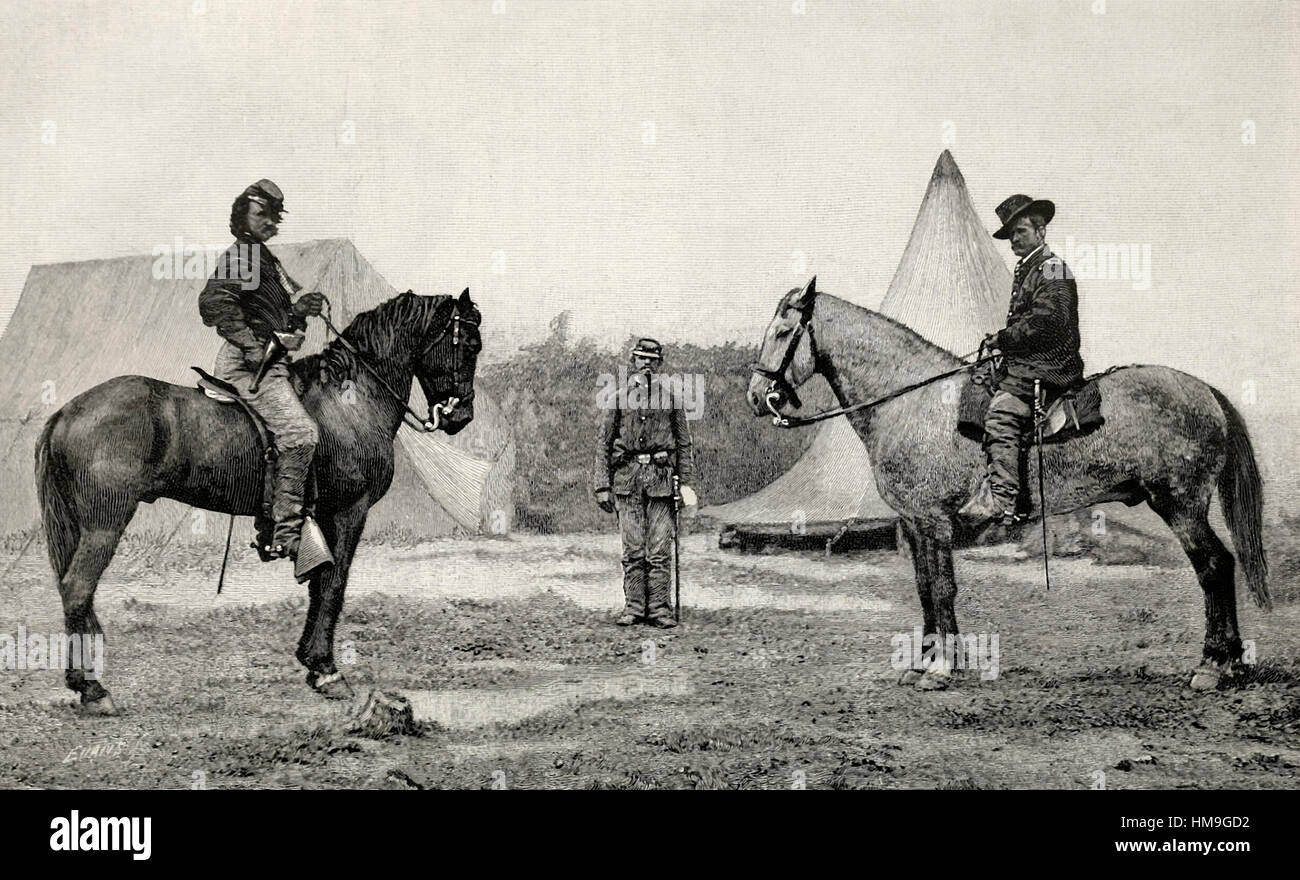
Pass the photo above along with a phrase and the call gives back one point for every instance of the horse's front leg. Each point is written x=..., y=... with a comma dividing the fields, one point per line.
x=936, y=545
x=343, y=531
x=921, y=563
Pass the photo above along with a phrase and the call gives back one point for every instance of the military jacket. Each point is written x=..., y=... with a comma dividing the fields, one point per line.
x=1041, y=339
x=643, y=420
x=249, y=293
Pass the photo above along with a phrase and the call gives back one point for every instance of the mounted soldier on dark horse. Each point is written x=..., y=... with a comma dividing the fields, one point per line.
x=1140, y=434
x=320, y=430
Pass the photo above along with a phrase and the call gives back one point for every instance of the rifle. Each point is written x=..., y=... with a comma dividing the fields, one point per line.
x=677, y=549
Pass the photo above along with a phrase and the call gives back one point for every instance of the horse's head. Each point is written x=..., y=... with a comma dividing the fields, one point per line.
x=788, y=357
x=445, y=365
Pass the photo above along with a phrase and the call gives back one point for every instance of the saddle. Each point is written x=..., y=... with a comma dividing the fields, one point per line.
x=1072, y=414
x=225, y=393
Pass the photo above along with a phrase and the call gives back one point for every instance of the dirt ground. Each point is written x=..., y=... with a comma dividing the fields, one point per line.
x=782, y=676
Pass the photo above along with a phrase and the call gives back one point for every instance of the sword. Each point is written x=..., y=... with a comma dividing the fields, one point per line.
x=225, y=557
x=1040, y=417
x=677, y=549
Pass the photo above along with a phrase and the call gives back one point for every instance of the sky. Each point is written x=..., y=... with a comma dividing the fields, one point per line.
x=670, y=169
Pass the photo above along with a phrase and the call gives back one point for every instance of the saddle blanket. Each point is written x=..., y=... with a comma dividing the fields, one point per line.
x=1073, y=414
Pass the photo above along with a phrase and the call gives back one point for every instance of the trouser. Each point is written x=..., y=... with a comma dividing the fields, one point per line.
x=646, y=525
x=295, y=433
x=1007, y=425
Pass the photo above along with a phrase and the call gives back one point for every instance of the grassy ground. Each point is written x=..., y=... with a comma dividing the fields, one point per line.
x=781, y=677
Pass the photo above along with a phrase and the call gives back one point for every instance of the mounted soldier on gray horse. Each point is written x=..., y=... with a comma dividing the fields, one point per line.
x=1040, y=356
x=134, y=439
x=1153, y=435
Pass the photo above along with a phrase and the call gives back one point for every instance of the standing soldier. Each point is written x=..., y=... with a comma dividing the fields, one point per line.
x=249, y=299
x=644, y=440
x=1040, y=342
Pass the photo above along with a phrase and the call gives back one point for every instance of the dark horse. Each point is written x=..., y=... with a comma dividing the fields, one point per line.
x=134, y=439
x=1169, y=440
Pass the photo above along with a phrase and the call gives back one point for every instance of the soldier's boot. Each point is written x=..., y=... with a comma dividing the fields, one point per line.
x=291, y=469
x=660, y=611
x=633, y=593
x=1004, y=445
x=981, y=507
x=1007, y=505
x=1008, y=481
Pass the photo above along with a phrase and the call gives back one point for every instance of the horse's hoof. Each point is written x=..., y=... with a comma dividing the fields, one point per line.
x=1206, y=678
x=933, y=682
x=911, y=677
x=332, y=686
x=103, y=707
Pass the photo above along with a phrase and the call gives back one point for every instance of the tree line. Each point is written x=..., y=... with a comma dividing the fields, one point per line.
x=551, y=392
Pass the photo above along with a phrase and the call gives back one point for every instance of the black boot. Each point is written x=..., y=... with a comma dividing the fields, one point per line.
x=291, y=469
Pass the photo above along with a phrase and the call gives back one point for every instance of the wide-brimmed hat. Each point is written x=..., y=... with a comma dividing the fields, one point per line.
x=648, y=348
x=1016, y=207
x=265, y=192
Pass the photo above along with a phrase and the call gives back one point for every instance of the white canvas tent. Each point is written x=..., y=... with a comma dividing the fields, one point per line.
x=952, y=286
x=78, y=324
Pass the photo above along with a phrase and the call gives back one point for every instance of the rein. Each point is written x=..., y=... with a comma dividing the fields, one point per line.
x=780, y=388
x=784, y=421
x=436, y=411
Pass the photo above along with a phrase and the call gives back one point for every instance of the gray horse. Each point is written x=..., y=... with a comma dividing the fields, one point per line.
x=1169, y=440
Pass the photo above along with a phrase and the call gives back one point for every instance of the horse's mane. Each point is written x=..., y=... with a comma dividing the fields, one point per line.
x=915, y=342
x=379, y=333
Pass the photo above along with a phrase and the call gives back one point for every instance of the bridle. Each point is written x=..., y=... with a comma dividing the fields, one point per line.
x=779, y=387
x=436, y=411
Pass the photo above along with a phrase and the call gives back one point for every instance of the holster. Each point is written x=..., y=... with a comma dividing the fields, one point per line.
x=273, y=352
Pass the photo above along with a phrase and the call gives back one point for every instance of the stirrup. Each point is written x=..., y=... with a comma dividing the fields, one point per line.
x=272, y=552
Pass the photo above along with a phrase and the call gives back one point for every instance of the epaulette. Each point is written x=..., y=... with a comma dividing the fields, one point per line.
x=1053, y=268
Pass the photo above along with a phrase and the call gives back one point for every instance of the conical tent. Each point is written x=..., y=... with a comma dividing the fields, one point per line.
x=952, y=287
x=78, y=324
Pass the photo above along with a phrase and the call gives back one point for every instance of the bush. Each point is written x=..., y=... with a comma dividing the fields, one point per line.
x=548, y=392
x=1282, y=544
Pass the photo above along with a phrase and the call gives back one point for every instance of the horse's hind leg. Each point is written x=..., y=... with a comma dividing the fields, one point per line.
x=77, y=586
x=1215, y=569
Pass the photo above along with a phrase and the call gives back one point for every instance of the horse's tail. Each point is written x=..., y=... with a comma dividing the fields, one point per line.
x=1242, y=497
x=62, y=532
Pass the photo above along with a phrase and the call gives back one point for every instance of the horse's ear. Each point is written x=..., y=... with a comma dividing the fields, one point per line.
x=464, y=298
x=804, y=299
